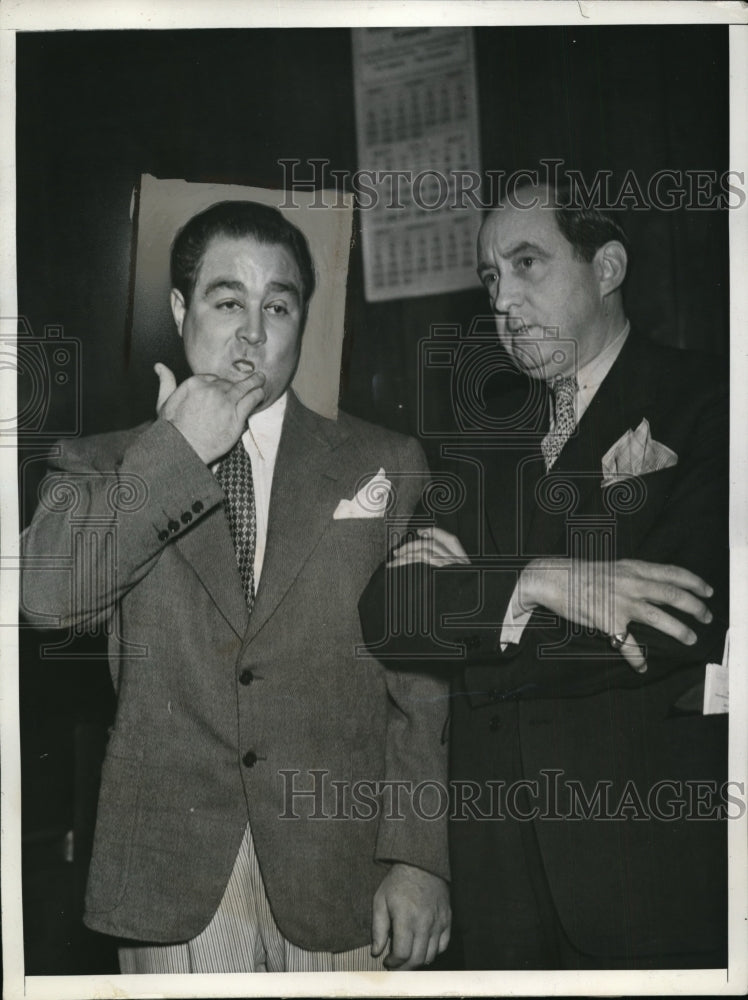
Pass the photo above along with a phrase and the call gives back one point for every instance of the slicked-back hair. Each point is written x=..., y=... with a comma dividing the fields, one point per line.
x=586, y=228
x=237, y=220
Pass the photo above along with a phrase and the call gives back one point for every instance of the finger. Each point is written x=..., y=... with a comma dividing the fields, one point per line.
x=238, y=389
x=402, y=949
x=408, y=553
x=418, y=950
x=449, y=542
x=666, y=573
x=633, y=653
x=432, y=949
x=425, y=551
x=249, y=403
x=656, y=618
x=380, y=926
x=673, y=596
x=166, y=384
x=444, y=939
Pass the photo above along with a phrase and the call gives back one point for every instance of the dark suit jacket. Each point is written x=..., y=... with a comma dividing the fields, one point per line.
x=221, y=718
x=620, y=887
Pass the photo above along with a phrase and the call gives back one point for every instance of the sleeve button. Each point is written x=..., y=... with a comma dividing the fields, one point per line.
x=197, y=507
x=186, y=517
x=163, y=535
x=173, y=526
x=246, y=677
x=249, y=759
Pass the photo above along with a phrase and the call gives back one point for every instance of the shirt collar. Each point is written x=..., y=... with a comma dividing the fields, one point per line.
x=265, y=427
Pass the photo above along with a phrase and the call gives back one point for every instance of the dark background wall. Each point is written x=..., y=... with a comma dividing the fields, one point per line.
x=95, y=110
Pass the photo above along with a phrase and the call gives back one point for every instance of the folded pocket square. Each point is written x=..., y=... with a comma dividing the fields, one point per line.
x=370, y=501
x=636, y=453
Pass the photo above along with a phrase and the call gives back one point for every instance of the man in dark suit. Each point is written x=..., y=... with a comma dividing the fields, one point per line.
x=226, y=545
x=584, y=588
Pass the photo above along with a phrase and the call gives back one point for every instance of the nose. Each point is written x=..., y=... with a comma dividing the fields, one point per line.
x=506, y=294
x=252, y=328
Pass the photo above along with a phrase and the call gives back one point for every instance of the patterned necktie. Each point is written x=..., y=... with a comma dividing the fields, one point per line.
x=234, y=474
x=564, y=389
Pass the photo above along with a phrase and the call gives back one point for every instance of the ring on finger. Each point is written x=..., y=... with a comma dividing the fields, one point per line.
x=618, y=639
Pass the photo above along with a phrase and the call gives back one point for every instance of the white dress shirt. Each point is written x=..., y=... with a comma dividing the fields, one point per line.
x=261, y=440
x=589, y=379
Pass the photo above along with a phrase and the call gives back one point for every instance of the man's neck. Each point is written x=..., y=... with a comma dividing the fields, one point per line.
x=611, y=327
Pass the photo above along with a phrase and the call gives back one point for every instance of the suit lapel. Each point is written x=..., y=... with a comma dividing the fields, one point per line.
x=514, y=467
x=211, y=554
x=303, y=499
x=619, y=404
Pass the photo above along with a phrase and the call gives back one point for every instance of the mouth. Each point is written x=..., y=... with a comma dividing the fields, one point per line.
x=244, y=366
x=515, y=325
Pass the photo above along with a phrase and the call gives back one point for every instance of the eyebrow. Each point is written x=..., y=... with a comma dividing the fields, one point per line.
x=525, y=246
x=233, y=285
x=229, y=283
x=284, y=286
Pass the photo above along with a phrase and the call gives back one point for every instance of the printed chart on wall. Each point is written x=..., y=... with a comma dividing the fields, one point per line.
x=418, y=159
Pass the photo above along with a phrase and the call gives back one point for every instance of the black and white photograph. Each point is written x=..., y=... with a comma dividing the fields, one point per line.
x=374, y=499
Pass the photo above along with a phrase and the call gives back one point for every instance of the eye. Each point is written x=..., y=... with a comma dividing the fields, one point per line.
x=277, y=308
x=228, y=305
x=526, y=263
x=489, y=278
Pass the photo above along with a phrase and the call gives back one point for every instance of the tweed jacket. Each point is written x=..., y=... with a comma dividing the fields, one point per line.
x=280, y=718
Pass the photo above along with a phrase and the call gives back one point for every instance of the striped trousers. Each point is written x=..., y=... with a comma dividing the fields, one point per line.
x=242, y=936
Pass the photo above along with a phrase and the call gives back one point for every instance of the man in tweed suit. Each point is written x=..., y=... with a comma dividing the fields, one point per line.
x=224, y=842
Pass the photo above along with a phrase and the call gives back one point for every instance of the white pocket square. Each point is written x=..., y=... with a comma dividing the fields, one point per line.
x=636, y=453
x=370, y=501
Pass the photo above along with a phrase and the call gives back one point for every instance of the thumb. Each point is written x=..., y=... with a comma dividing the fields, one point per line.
x=633, y=653
x=380, y=925
x=166, y=384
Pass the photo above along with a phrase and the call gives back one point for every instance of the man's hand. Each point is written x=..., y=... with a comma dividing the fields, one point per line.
x=411, y=906
x=433, y=546
x=210, y=412
x=609, y=595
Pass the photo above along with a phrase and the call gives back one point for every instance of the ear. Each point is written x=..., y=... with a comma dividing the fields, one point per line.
x=611, y=263
x=178, y=308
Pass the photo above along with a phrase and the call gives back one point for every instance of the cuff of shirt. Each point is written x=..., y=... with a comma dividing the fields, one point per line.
x=515, y=621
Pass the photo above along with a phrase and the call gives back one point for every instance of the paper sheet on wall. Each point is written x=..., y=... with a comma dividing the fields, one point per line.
x=166, y=204
x=416, y=112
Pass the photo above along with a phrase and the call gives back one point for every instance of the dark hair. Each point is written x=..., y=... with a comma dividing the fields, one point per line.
x=237, y=219
x=586, y=228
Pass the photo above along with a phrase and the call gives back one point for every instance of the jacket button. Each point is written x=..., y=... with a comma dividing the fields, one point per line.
x=173, y=526
x=186, y=517
x=163, y=535
x=197, y=507
x=246, y=677
x=249, y=759
x=494, y=724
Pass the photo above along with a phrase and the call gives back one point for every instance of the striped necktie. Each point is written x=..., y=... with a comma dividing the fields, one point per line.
x=564, y=390
x=234, y=474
